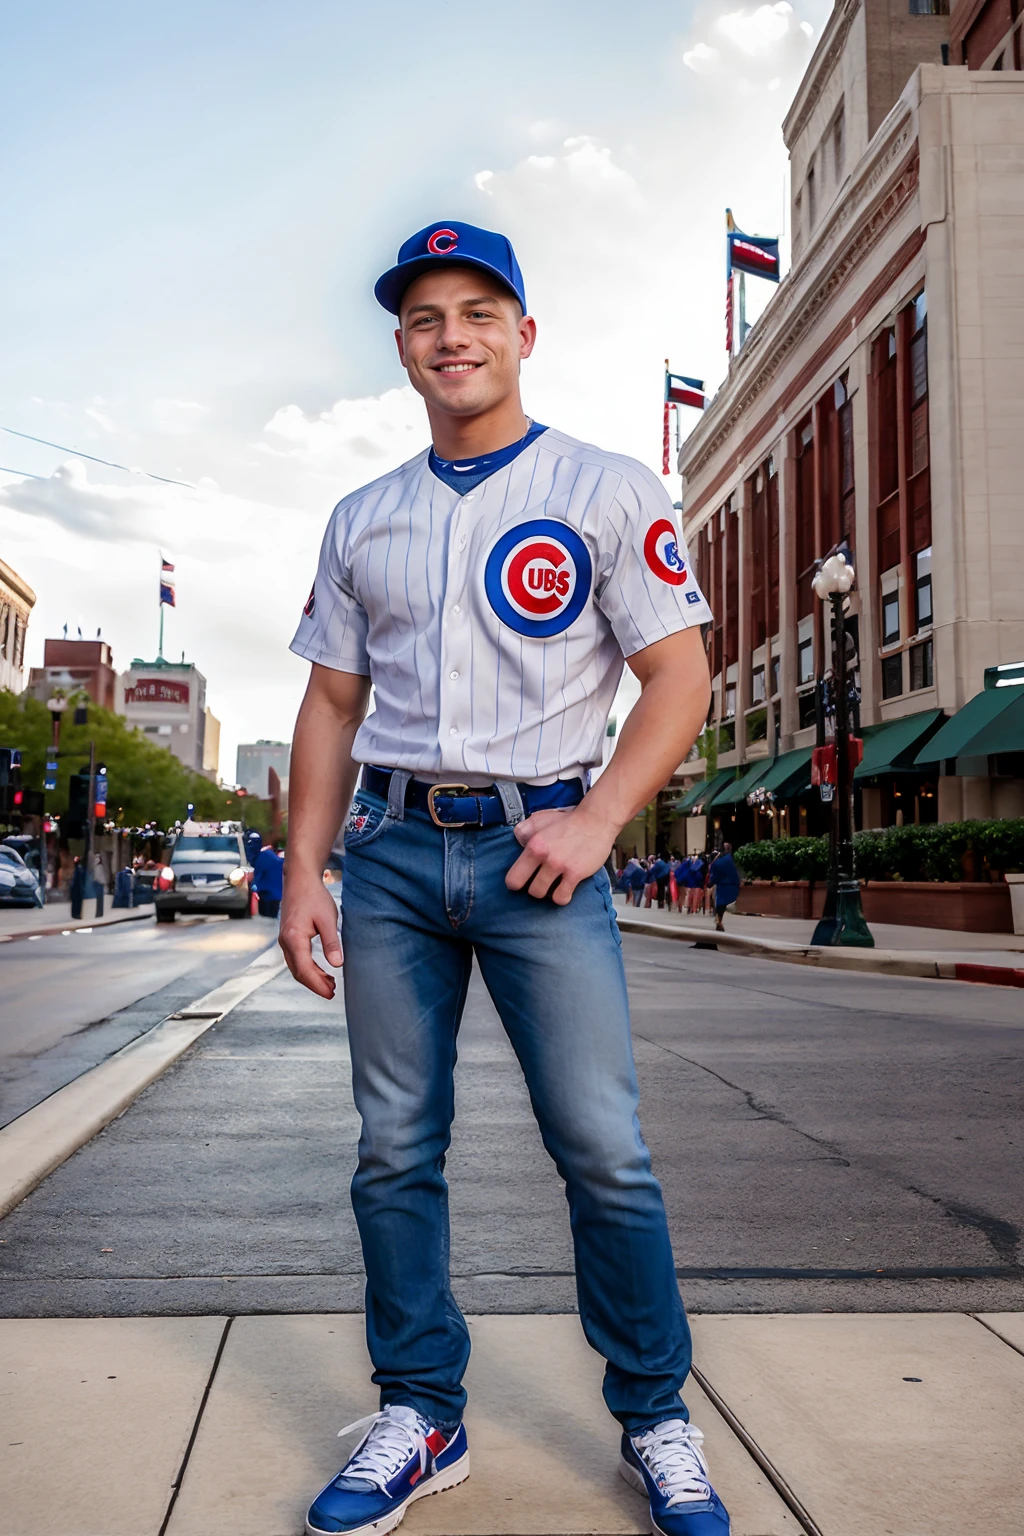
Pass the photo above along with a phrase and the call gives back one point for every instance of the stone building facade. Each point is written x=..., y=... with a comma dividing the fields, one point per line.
x=878, y=399
x=17, y=600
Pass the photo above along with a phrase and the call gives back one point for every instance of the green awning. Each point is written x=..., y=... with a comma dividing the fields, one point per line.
x=789, y=775
x=891, y=747
x=1003, y=734
x=699, y=801
x=736, y=792
x=974, y=723
x=682, y=805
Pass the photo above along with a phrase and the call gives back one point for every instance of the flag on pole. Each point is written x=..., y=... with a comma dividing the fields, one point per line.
x=680, y=390
x=756, y=254
x=166, y=584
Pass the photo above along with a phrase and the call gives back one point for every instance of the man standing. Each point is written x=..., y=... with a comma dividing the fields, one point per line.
x=490, y=589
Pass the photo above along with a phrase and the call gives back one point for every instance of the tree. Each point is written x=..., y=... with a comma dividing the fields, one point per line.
x=145, y=782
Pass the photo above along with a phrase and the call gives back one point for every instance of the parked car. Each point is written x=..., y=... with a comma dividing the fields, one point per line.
x=208, y=871
x=19, y=885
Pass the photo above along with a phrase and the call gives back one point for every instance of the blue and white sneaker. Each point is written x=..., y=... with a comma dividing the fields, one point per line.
x=400, y=1459
x=667, y=1465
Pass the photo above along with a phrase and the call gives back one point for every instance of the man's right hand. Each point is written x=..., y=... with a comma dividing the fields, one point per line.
x=309, y=909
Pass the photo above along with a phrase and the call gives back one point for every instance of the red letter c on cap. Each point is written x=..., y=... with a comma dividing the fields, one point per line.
x=442, y=241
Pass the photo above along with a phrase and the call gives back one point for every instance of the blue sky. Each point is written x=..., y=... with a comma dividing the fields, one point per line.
x=197, y=200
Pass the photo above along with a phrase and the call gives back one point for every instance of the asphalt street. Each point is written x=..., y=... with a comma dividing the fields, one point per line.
x=825, y=1141
x=69, y=1000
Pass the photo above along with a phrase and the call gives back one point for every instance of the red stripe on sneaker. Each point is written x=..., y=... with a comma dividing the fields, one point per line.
x=436, y=1442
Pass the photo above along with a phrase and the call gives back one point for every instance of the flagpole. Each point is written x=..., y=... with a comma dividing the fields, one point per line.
x=160, y=604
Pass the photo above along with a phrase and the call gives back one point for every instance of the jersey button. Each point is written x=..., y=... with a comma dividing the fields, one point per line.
x=454, y=676
x=456, y=608
x=453, y=730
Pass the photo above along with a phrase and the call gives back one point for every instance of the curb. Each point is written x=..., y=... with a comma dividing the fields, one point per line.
x=886, y=962
x=44, y=1137
x=80, y=927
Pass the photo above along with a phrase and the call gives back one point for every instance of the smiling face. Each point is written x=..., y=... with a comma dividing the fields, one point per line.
x=462, y=338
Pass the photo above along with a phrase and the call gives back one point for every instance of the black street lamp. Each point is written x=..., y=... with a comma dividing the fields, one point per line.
x=842, y=921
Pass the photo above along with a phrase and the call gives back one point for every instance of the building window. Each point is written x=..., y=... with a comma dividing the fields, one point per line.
x=776, y=674
x=890, y=618
x=929, y=7
x=918, y=480
x=730, y=701
x=798, y=223
x=805, y=661
x=922, y=668
x=807, y=714
x=812, y=200
x=805, y=550
x=757, y=686
x=839, y=143
x=892, y=676
x=923, y=588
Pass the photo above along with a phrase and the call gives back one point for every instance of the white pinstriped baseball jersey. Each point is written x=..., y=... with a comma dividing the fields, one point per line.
x=493, y=625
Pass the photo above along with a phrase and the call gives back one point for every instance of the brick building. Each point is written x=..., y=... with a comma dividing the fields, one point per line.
x=75, y=664
x=877, y=399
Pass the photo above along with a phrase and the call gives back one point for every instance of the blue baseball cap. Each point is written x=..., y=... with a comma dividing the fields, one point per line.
x=463, y=244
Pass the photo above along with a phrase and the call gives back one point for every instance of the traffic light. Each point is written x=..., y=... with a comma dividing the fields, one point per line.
x=78, y=803
x=11, y=793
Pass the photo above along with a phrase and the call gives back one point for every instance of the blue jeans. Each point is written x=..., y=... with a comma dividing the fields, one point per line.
x=418, y=902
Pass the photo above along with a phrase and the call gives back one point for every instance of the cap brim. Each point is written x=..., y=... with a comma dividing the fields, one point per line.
x=389, y=288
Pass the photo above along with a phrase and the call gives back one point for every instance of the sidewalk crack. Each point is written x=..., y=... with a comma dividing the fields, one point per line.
x=180, y=1477
x=788, y=1496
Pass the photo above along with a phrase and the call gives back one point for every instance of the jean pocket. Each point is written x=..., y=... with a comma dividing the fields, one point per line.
x=367, y=819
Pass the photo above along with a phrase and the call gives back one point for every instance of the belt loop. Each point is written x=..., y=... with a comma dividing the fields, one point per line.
x=512, y=800
x=396, y=793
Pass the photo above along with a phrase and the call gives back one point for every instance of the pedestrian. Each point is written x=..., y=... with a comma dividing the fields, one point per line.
x=725, y=878
x=451, y=585
x=268, y=879
x=698, y=873
x=659, y=872
x=637, y=881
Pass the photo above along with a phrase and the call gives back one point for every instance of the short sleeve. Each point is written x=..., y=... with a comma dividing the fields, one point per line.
x=647, y=588
x=333, y=628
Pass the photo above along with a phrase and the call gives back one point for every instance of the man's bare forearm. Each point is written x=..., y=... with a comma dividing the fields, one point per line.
x=658, y=732
x=322, y=775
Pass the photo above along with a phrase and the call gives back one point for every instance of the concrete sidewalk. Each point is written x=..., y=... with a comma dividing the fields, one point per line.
x=55, y=917
x=898, y=950
x=822, y=1425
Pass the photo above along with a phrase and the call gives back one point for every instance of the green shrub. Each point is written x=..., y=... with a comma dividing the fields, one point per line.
x=787, y=858
x=956, y=850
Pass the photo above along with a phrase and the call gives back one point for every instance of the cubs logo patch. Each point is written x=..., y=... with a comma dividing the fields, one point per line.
x=442, y=242
x=310, y=602
x=537, y=577
x=661, y=551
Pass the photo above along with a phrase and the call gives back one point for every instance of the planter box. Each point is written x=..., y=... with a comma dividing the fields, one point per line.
x=961, y=906
x=965, y=907
x=778, y=898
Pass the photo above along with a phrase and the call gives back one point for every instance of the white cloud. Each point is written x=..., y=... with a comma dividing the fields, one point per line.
x=354, y=441
x=754, y=47
x=757, y=31
x=701, y=58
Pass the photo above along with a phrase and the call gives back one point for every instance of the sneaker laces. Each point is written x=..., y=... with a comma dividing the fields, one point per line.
x=671, y=1452
x=393, y=1436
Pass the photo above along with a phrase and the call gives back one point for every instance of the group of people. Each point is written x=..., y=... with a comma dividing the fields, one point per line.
x=699, y=883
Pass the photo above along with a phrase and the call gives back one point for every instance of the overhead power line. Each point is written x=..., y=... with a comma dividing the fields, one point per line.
x=110, y=463
x=26, y=474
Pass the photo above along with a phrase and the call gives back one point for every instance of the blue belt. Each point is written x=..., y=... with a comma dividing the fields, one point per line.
x=456, y=805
